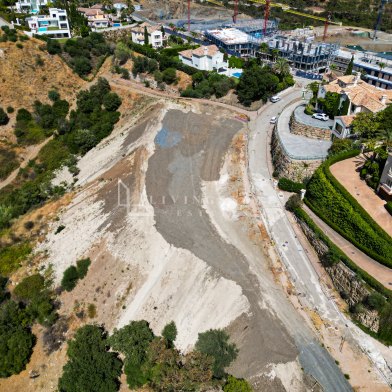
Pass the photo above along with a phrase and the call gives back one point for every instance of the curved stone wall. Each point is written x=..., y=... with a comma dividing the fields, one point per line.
x=299, y=128
x=285, y=166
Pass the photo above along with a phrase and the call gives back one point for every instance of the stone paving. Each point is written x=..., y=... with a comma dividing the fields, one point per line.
x=300, y=116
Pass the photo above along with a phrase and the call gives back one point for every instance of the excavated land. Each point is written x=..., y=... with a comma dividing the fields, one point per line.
x=160, y=209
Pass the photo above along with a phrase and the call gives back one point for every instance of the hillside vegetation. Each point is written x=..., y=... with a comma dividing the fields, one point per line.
x=28, y=72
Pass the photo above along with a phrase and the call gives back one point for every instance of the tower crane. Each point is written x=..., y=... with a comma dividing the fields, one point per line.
x=379, y=15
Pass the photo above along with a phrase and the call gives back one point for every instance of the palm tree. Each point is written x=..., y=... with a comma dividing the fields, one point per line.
x=275, y=54
x=333, y=67
x=381, y=66
x=281, y=66
x=385, y=135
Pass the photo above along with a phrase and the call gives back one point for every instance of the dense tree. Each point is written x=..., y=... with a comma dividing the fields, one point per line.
x=81, y=65
x=236, y=385
x=16, y=340
x=366, y=125
x=169, y=76
x=215, y=343
x=111, y=102
x=70, y=278
x=4, y=294
x=133, y=341
x=53, y=95
x=122, y=53
x=256, y=83
x=145, y=35
x=4, y=119
x=90, y=367
x=169, y=332
x=331, y=104
x=53, y=46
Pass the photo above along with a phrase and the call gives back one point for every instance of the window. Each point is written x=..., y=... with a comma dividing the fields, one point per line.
x=389, y=183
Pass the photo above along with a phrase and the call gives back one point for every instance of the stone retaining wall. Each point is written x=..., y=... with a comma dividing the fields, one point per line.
x=297, y=128
x=293, y=169
x=345, y=281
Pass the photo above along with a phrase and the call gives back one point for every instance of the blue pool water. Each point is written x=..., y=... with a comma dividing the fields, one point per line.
x=116, y=24
x=42, y=28
x=167, y=139
x=237, y=74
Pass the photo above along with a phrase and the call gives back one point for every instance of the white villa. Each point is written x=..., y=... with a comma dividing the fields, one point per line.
x=205, y=58
x=96, y=17
x=385, y=185
x=30, y=6
x=155, y=36
x=54, y=25
x=362, y=97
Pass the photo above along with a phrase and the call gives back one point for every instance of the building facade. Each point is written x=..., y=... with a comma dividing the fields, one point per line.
x=30, y=6
x=205, y=58
x=385, y=185
x=375, y=68
x=54, y=25
x=154, y=32
x=356, y=96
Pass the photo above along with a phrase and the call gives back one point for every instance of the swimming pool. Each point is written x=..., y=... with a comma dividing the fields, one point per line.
x=237, y=74
x=116, y=24
x=41, y=29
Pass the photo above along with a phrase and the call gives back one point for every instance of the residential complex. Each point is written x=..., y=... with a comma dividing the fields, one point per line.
x=154, y=32
x=205, y=58
x=30, y=6
x=298, y=46
x=54, y=25
x=357, y=96
x=375, y=68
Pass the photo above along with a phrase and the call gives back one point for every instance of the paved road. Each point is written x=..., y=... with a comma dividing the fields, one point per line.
x=303, y=275
x=314, y=359
x=380, y=272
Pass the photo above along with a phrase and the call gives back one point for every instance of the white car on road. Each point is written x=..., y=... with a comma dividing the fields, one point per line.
x=320, y=116
x=273, y=120
x=275, y=98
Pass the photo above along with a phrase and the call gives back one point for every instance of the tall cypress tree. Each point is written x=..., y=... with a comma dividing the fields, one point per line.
x=349, y=70
x=145, y=35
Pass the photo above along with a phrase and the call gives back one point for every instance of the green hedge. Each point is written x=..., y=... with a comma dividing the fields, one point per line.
x=331, y=201
x=388, y=207
x=290, y=186
x=372, y=282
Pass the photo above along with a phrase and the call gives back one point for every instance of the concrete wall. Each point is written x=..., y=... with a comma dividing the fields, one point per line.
x=298, y=128
x=295, y=170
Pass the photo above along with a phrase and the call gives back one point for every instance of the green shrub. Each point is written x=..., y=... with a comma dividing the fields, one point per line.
x=70, y=278
x=236, y=385
x=4, y=119
x=12, y=255
x=30, y=287
x=331, y=201
x=10, y=109
x=339, y=255
x=290, y=186
x=388, y=207
x=8, y=162
x=82, y=267
x=293, y=202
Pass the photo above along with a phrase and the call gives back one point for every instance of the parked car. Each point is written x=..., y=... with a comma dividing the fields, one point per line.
x=273, y=120
x=275, y=98
x=321, y=116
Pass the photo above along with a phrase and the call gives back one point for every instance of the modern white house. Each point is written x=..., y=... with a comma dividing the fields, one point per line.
x=385, y=185
x=358, y=96
x=30, y=6
x=54, y=25
x=155, y=36
x=205, y=58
